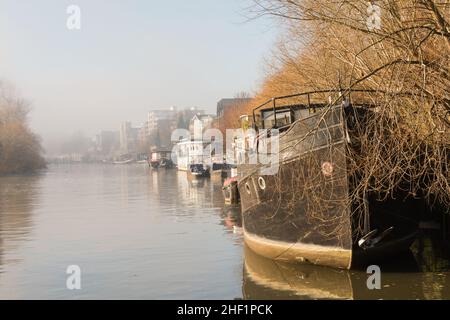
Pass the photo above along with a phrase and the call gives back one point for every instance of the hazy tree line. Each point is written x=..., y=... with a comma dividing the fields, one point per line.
x=20, y=148
x=398, y=51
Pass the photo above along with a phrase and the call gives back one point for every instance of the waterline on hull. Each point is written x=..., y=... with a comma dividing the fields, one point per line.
x=299, y=252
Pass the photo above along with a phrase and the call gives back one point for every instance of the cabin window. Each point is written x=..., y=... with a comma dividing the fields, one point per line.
x=283, y=118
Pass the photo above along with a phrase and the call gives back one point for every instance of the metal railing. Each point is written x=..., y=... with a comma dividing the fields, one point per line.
x=342, y=94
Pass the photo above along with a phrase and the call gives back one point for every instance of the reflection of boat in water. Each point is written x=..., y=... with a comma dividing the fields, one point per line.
x=232, y=218
x=196, y=183
x=198, y=171
x=220, y=171
x=268, y=279
x=302, y=211
x=122, y=162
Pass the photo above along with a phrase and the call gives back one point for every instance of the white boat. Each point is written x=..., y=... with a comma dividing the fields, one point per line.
x=191, y=152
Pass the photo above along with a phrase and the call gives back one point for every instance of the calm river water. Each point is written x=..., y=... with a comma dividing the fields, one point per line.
x=142, y=234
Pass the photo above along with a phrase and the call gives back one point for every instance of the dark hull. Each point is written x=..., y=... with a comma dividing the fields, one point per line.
x=154, y=164
x=166, y=164
x=198, y=174
x=230, y=192
x=303, y=213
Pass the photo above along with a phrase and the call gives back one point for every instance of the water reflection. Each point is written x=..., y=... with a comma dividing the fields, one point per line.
x=232, y=219
x=403, y=279
x=171, y=187
x=18, y=197
x=155, y=234
x=135, y=233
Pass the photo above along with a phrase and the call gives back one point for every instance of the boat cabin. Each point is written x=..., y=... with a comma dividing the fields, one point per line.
x=191, y=152
x=160, y=158
x=281, y=112
x=283, y=116
x=158, y=155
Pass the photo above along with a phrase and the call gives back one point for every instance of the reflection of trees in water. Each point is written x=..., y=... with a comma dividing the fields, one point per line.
x=421, y=274
x=18, y=195
x=434, y=262
x=430, y=254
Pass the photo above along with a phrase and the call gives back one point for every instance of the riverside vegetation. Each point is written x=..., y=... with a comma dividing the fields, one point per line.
x=400, y=64
x=20, y=149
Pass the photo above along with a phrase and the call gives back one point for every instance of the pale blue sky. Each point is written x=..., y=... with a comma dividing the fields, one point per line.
x=129, y=57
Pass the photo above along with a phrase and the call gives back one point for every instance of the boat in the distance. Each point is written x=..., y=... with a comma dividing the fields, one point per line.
x=194, y=157
x=160, y=159
x=303, y=211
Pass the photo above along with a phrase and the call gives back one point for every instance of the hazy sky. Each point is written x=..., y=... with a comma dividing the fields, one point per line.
x=129, y=57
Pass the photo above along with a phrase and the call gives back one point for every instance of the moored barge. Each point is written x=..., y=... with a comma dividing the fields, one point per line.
x=302, y=212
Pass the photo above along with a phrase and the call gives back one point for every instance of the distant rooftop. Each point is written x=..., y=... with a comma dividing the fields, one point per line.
x=228, y=103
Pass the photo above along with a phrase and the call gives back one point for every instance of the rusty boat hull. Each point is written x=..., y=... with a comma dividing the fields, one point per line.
x=301, y=211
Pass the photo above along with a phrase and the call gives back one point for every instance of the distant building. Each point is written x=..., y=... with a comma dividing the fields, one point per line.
x=224, y=106
x=228, y=113
x=107, y=142
x=199, y=123
x=143, y=134
x=186, y=115
x=155, y=116
x=161, y=124
x=128, y=138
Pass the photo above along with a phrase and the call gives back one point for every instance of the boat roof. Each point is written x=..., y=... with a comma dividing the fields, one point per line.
x=340, y=94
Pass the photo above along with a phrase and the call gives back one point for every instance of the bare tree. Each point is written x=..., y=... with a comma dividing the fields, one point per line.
x=399, y=53
x=20, y=149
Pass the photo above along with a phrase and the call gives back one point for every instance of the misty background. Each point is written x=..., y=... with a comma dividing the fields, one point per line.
x=128, y=58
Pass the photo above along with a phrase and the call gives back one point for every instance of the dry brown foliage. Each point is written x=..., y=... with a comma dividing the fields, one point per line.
x=404, y=65
x=20, y=149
